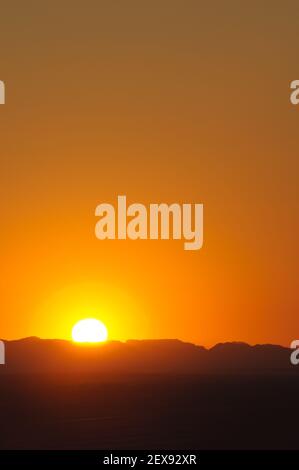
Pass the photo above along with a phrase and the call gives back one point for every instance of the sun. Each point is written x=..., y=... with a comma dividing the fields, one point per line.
x=89, y=330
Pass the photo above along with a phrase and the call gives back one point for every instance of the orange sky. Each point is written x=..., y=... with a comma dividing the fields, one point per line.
x=164, y=102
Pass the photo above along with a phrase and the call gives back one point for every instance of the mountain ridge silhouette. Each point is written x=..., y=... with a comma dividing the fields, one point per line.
x=149, y=356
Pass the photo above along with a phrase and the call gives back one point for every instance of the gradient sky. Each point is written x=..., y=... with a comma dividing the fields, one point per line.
x=164, y=101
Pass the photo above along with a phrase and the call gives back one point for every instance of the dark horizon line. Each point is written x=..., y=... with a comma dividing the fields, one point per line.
x=103, y=343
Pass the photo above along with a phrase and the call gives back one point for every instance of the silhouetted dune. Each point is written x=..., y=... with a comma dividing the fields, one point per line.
x=32, y=355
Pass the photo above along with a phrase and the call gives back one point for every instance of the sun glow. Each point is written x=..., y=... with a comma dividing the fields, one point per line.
x=89, y=330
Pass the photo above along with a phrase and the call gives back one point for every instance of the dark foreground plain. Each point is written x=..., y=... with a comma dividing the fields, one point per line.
x=208, y=411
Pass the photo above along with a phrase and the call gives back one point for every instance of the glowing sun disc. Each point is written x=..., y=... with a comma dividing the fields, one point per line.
x=89, y=330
